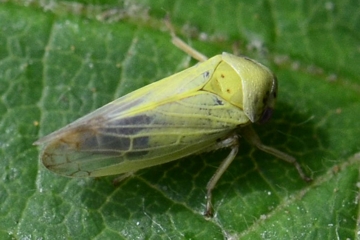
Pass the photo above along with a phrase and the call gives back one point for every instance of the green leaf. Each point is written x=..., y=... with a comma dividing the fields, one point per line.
x=62, y=59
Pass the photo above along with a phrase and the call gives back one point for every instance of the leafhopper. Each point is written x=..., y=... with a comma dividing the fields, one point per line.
x=201, y=109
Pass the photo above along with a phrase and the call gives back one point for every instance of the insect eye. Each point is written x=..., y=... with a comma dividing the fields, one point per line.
x=266, y=115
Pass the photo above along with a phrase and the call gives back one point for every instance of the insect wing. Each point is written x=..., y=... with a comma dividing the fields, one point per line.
x=161, y=122
x=189, y=80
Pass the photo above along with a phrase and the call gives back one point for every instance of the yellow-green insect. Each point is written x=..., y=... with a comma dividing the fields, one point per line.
x=200, y=109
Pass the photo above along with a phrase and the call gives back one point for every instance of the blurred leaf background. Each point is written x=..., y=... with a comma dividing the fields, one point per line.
x=62, y=59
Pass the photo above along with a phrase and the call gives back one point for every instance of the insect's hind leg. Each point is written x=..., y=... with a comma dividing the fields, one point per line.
x=122, y=177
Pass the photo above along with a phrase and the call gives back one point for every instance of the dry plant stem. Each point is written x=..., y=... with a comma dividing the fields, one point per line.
x=183, y=45
x=187, y=49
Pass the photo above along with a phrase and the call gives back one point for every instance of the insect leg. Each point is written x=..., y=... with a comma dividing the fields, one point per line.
x=122, y=177
x=221, y=169
x=250, y=135
x=183, y=45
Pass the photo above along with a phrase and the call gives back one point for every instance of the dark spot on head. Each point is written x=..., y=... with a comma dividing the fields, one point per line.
x=265, y=99
x=228, y=90
x=222, y=76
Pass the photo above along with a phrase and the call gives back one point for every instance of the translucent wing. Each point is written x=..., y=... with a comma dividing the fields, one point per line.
x=159, y=123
